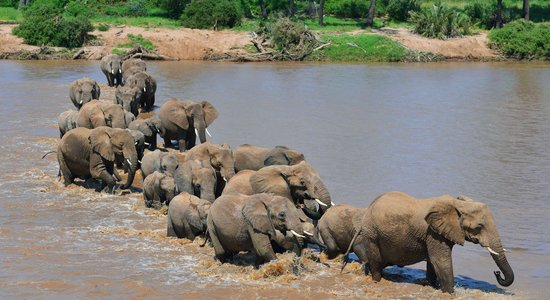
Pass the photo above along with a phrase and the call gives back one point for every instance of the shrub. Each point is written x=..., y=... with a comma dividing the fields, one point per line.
x=440, y=22
x=45, y=23
x=103, y=27
x=399, y=9
x=211, y=14
x=482, y=13
x=522, y=39
x=136, y=8
x=137, y=40
x=174, y=7
x=9, y=3
x=347, y=8
x=285, y=33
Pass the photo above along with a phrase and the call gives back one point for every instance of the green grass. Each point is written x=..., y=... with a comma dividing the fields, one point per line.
x=360, y=48
x=10, y=14
x=137, y=21
x=137, y=40
x=332, y=24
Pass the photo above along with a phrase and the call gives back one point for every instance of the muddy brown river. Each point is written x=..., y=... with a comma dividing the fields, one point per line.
x=476, y=129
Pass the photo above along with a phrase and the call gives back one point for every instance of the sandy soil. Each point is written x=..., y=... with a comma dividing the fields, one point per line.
x=194, y=44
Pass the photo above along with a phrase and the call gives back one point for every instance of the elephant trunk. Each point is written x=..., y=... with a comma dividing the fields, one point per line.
x=503, y=265
x=323, y=195
x=130, y=158
x=207, y=194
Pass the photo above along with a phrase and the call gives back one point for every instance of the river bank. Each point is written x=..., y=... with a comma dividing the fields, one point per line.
x=195, y=44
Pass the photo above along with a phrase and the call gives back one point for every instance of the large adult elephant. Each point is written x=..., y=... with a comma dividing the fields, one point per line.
x=299, y=183
x=128, y=98
x=196, y=178
x=238, y=222
x=250, y=157
x=148, y=85
x=133, y=63
x=187, y=216
x=111, y=66
x=184, y=120
x=398, y=229
x=83, y=91
x=98, y=113
x=90, y=153
x=149, y=127
x=220, y=157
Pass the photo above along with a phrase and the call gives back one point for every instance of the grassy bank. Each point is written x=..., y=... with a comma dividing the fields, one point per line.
x=359, y=48
x=10, y=14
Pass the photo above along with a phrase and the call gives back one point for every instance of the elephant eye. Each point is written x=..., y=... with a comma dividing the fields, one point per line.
x=479, y=227
x=282, y=215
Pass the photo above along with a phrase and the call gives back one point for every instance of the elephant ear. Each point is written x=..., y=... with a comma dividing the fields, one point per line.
x=277, y=156
x=210, y=112
x=178, y=114
x=97, y=90
x=270, y=180
x=145, y=129
x=193, y=216
x=255, y=212
x=444, y=219
x=101, y=143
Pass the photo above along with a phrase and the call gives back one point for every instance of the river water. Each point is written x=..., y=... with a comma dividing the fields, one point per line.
x=475, y=129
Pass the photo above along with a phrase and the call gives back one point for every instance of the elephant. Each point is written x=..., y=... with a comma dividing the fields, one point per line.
x=149, y=127
x=164, y=162
x=196, y=178
x=148, y=85
x=239, y=222
x=98, y=113
x=139, y=140
x=131, y=71
x=133, y=63
x=184, y=120
x=299, y=183
x=187, y=216
x=220, y=157
x=158, y=188
x=128, y=98
x=67, y=120
x=90, y=153
x=287, y=242
x=83, y=91
x=129, y=117
x=337, y=227
x=250, y=157
x=111, y=66
x=399, y=229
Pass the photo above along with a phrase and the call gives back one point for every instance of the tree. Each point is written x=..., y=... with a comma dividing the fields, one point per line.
x=370, y=17
x=23, y=3
x=526, y=10
x=321, y=12
x=262, y=8
x=499, y=14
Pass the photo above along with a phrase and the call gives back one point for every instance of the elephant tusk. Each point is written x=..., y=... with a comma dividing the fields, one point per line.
x=146, y=144
x=308, y=233
x=319, y=202
x=135, y=143
x=224, y=179
x=332, y=203
x=112, y=71
x=139, y=161
x=144, y=89
x=80, y=102
x=491, y=251
x=207, y=132
x=505, y=250
x=128, y=160
x=297, y=234
x=196, y=132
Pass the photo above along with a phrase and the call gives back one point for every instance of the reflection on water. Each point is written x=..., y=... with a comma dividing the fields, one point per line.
x=481, y=130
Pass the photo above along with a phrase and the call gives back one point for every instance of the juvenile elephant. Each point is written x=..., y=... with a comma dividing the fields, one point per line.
x=148, y=85
x=164, y=162
x=139, y=140
x=249, y=223
x=197, y=179
x=399, y=229
x=111, y=66
x=287, y=242
x=129, y=117
x=299, y=183
x=187, y=216
x=250, y=157
x=133, y=63
x=128, y=98
x=149, y=127
x=84, y=153
x=220, y=157
x=98, y=113
x=66, y=121
x=184, y=120
x=83, y=91
x=158, y=188
x=337, y=227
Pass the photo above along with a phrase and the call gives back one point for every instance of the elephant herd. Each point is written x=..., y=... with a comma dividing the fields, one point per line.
x=262, y=200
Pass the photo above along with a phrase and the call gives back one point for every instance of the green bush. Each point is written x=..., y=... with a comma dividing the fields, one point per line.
x=137, y=40
x=9, y=3
x=211, y=14
x=440, y=22
x=347, y=8
x=399, y=9
x=46, y=23
x=483, y=14
x=136, y=8
x=174, y=7
x=103, y=27
x=286, y=34
x=522, y=39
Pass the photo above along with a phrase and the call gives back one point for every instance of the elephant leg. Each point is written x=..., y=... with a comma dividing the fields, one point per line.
x=376, y=264
x=430, y=274
x=153, y=143
x=170, y=226
x=188, y=231
x=262, y=245
x=332, y=249
x=221, y=255
x=167, y=143
x=110, y=79
x=440, y=256
x=182, y=139
x=64, y=169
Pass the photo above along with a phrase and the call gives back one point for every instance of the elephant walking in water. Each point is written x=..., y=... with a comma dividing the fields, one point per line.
x=83, y=91
x=250, y=157
x=111, y=66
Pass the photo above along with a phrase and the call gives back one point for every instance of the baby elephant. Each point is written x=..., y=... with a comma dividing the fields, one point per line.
x=187, y=216
x=164, y=162
x=157, y=189
x=67, y=120
x=149, y=127
x=196, y=178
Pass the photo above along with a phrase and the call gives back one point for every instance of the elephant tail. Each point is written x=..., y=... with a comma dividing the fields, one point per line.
x=49, y=152
x=345, y=261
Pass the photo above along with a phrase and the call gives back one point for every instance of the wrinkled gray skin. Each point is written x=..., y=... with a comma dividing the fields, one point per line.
x=299, y=183
x=98, y=113
x=131, y=71
x=220, y=157
x=133, y=63
x=111, y=66
x=83, y=91
x=400, y=230
x=148, y=87
x=164, y=162
x=139, y=139
x=128, y=98
x=337, y=227
x=184, y=119
x=283, y=243
x=250, y=157
x=84, y=153
x=158, y=188
x=187, y=216
x=129, y=117
x=149, y=127
x=66, y=121
x=196, y=178
x=239, y=222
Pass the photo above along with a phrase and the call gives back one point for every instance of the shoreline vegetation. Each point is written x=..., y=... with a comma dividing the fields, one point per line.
x=150, y=32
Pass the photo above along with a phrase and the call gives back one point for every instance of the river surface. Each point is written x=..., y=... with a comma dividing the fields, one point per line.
x=475, y=129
